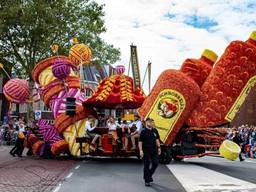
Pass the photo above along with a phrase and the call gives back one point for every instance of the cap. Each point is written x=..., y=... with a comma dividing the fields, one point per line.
x=209, y=54
x=253, y=35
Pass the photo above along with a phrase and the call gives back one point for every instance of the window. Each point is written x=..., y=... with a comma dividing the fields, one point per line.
x=98, y=77
x=46, y=108
x=88, y=76
x=88, y=92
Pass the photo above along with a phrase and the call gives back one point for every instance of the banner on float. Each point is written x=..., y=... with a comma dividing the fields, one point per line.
x=135, y=66
x=240, y=99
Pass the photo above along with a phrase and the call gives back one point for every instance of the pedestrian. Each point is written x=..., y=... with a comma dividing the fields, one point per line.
x=7, y=135
x=238, y=140
x=16, y=124
x=19, y=144
x=149, y=146
x=18, y=147
x=27, y=143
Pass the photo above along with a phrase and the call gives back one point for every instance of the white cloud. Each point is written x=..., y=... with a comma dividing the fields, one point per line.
x=167, y=41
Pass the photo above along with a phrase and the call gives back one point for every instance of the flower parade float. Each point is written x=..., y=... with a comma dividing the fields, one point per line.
x=176, y=94
x=235, y=70
x=116, y=91
x=191, y=105
x=58, y=79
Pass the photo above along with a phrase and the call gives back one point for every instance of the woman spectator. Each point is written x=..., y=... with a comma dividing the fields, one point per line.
x=112, y=130
x=127, y=134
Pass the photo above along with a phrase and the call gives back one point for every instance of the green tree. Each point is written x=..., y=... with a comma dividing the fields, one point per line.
x=29, y=27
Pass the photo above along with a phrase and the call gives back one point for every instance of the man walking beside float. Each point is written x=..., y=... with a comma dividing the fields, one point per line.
x=149, y=146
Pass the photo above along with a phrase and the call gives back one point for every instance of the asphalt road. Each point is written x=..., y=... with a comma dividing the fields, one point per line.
x=125, y=175
x=117, y=175
x=245, y=170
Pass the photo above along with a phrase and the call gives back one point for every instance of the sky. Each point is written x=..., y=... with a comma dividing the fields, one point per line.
x=166, y=32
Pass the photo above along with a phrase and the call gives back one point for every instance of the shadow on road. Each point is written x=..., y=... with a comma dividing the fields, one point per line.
x=129, y=160
x=161, y=188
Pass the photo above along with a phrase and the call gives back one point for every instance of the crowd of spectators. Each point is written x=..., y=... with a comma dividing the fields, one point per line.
x=9, y=131
x=247, y=136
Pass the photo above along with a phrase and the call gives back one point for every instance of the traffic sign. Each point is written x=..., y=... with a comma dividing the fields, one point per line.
x=38, y=114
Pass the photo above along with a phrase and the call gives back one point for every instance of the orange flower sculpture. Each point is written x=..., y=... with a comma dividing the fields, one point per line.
x=117, y=90
x=57, y=79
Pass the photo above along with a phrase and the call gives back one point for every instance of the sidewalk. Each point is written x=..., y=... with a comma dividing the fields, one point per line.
x=4, y=154
x=30, y=174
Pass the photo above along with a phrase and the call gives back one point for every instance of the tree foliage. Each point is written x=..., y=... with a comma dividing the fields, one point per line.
x=29, y=27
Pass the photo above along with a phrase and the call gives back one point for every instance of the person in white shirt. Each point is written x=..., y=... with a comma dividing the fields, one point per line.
x=112, y=126
x=126, y=134
x=90, y=126
x=22, y=128
x=135, y=133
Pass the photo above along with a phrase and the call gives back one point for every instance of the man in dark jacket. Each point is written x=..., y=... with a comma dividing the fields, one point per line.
x=238, y=140
x=149, y=146
x=18, y=147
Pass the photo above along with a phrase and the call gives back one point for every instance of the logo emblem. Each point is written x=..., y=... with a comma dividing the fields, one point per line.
x=167, y=107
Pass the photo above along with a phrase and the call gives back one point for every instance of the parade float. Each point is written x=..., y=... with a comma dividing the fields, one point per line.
x=116, y=91
x=191, y=107
x=201, y=101
x=58, y=80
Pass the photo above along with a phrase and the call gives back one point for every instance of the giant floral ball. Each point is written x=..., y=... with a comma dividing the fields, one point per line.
x=16, y=91
x=120, y=69
x=61, y=69
x=80, y=54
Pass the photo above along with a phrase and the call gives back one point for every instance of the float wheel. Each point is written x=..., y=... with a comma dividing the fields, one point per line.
x=178, y=159
x=166, y=155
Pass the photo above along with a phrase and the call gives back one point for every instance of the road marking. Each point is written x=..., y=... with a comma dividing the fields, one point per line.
x=57, y=188
x=194, y=178
x=77, y=167
x=69, y=175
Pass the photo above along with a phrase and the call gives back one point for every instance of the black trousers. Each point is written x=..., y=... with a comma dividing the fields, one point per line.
x=18, y=148
x=240, y=157
x=13, y=149
x=150, y=163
